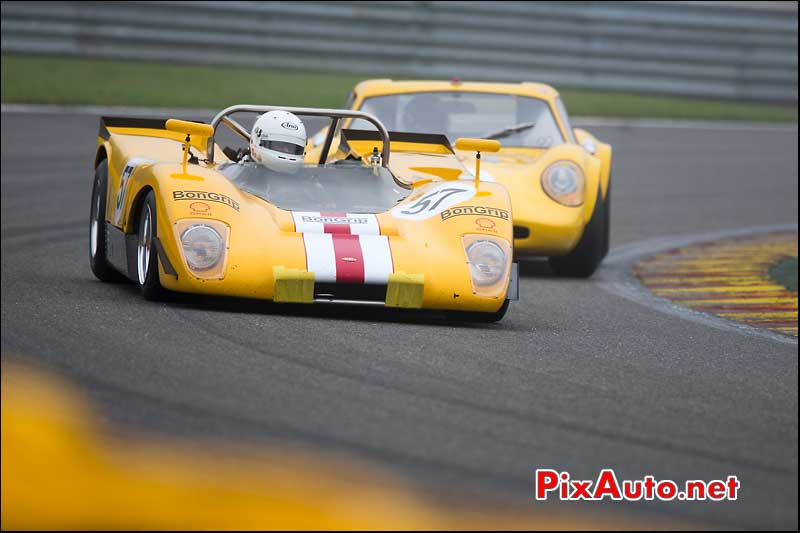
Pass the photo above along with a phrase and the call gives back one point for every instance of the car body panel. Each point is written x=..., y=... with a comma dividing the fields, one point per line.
x=554, y=229
x=263, y=237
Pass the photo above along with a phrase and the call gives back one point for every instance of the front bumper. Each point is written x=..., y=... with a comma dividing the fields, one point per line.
x=536, y=236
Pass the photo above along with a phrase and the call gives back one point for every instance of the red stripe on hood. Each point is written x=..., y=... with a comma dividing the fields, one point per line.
x=349, y=258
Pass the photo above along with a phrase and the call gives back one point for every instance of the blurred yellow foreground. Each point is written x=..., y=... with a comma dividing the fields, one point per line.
x=60, y=471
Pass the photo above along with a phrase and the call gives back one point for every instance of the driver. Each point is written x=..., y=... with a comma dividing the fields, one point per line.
x=278, y=141
x=424, y=114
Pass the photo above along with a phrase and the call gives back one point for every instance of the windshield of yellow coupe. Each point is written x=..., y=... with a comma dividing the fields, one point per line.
x=517, y=121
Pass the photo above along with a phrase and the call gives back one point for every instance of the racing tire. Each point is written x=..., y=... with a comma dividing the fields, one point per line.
x=476, y=317
x=588, y=254
x=146, y=254
x=98, y=260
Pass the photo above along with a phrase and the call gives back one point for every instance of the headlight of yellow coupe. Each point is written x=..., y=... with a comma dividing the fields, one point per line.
x=204, y=244
x=564, y=182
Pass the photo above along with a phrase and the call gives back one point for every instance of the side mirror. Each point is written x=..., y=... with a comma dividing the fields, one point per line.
x=189, y=128
x=477, y=145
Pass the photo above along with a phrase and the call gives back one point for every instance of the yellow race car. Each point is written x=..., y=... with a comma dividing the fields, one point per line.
x=174, y=209
x=558, y=177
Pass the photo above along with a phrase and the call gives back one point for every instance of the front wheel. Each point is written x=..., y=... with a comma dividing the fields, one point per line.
x=593, y=246
x=146, y=254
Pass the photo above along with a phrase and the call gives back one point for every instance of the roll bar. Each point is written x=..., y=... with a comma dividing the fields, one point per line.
x=334, y=114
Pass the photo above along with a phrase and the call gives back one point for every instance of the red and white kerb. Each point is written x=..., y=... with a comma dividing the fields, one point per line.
x=344, y=247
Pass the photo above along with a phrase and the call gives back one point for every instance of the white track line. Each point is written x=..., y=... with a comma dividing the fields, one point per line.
x=652, y=123
x=103, y=110
x=578, y=121
x=616, y=276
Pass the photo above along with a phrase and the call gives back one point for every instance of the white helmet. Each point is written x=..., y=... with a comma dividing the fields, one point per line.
x=278, y=141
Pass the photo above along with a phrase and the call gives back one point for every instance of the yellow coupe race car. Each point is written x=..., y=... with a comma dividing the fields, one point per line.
x=173, y=209
x=558, y=177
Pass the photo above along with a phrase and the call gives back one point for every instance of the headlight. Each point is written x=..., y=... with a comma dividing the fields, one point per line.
x=489, y=261
x=202, y=246
x=564, y=182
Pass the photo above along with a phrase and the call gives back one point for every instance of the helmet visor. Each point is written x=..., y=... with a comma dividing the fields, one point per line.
x=283, y=147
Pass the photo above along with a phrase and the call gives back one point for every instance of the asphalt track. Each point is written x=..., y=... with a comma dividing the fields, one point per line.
x=574, y=378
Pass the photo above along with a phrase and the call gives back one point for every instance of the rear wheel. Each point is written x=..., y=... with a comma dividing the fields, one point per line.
x=101, y=268
x=587, y=255
x=146, y=254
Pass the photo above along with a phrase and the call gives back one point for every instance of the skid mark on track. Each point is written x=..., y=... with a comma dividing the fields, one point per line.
x=729, y=278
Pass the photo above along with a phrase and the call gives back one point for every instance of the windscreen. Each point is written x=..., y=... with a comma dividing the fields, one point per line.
x=517, y=121
x=343, y=186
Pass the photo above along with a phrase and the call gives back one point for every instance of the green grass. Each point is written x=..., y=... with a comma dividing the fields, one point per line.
x=67, y=80
x=632, y=105
x=70, y=80
x=785, y=273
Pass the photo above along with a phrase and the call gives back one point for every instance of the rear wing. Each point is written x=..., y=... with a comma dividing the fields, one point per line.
x=361, y=141
x=108, y=125
x=116, y=132
x=420, y=156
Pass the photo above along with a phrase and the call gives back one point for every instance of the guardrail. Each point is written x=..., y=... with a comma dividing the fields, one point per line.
x=729, y=50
